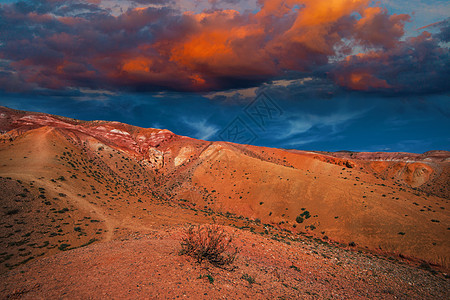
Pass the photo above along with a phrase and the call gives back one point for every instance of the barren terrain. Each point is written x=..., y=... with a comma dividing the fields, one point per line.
x=92, y=209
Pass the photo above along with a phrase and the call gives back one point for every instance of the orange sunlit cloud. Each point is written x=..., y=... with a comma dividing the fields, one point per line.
x=362, y=81
x=137, y=65
x=215, y=49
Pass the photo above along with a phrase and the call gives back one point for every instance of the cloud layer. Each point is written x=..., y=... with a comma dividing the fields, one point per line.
x=60, y=45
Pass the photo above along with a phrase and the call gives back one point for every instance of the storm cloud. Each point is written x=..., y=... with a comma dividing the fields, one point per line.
x=65, y=45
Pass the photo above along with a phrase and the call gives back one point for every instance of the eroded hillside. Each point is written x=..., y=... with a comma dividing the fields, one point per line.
x=69, y=183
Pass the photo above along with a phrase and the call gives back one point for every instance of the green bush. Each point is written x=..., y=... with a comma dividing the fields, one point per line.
x=210, y=278
x=304, y=215
x=249, y=278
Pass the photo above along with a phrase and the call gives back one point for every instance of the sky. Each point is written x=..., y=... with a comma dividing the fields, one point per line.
x=323, y=75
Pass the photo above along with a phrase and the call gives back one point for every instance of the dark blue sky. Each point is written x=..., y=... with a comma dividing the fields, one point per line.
x=346, y=122
x=369, y=80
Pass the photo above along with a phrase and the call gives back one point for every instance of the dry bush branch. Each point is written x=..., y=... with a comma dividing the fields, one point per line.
x=209, y=242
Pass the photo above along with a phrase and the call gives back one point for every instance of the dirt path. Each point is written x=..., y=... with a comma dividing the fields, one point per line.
x=81, y=203
x=37, y=166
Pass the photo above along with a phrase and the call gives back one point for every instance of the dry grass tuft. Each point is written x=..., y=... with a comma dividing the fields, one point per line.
x=209, y=242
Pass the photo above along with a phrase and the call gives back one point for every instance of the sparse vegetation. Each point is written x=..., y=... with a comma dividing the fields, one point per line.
x=131, y=187
x=248, y=278
x=295, y=268
x=63, y=247
x=12, y=212
x=210, y=278
x=304, y=215
x=209, y=242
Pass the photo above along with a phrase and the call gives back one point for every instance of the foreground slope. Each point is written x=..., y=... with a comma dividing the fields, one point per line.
x=67, y=183
x=148, y=266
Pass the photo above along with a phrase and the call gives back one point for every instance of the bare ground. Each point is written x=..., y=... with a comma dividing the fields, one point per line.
x=149, y=266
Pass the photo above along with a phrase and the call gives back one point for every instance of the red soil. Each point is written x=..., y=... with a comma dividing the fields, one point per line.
x=116, y=190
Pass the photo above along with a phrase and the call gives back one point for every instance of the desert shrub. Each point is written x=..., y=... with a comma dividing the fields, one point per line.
x=295, y=268
x=304, y=215
x=12, y=212
x=249, y=278
x=63, y=247
x=210, y=278
x=209, y=242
